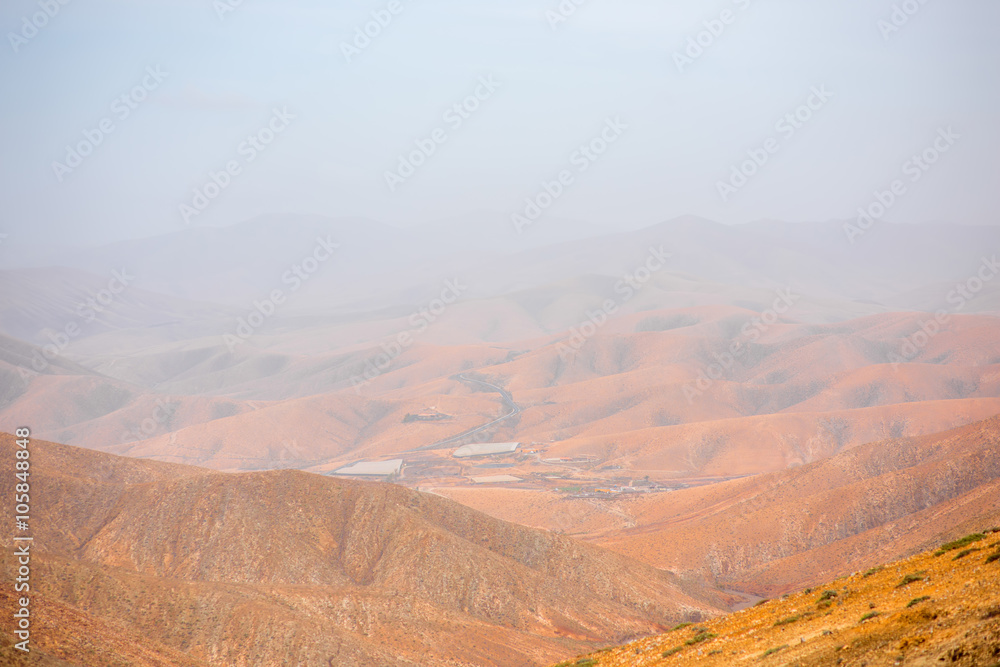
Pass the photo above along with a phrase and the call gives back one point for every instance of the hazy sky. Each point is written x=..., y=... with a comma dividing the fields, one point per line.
x=677, y=133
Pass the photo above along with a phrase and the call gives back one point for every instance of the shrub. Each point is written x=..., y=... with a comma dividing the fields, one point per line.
x=681, y=626
x=993, y=557
x=915, y=601
x=958, y=544
x=787, y=621
x=963, y=553
x=827, y=595
x=678, y=649
x=772, y=651
x=910, y=578
x=700, y=637
x=871, y=614
x=874, y=570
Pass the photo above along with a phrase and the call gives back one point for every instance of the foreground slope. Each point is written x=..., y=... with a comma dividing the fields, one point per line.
x=940, y=607
x=194, y=567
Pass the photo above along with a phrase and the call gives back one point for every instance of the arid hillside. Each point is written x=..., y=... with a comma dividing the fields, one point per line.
x=636, y=399
x=941, y=607
x=773, y=533
x=765, y=408
x=709, y=362
x=778, y=532
x=146, y=563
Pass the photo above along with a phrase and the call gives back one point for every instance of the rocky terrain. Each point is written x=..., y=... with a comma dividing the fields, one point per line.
x=704, y=413
x=145, y=563
x=773, y=533
x=778, y=532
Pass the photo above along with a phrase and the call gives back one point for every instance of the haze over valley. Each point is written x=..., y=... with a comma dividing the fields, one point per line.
x=521, y=334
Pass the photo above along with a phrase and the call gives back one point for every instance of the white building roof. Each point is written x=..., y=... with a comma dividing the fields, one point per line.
x=487, y=448
x=496, y=479
x=380, y=468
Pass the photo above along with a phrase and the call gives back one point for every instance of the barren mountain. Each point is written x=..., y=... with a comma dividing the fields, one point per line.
x=643, y=401
x=635, y=419
x=647, y=386
x=777, y=532
x=287, y=567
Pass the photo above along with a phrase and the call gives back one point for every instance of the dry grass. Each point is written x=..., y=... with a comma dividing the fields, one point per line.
x=913, y=611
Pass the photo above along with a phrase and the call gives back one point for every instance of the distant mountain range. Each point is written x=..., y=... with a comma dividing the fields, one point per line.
x=379, y=266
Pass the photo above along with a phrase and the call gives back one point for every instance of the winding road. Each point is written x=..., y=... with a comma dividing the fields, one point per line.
x=505, y=397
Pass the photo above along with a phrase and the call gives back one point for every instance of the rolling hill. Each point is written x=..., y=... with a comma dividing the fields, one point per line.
x=781, y=531
x=285, y=567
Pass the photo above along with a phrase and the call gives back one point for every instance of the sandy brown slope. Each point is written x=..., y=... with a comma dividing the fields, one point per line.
x=940, y=607
x=59, y=629
x=291, y=568
x=793, y=528
x=800, y=393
